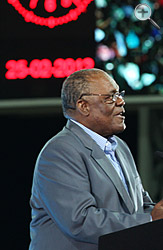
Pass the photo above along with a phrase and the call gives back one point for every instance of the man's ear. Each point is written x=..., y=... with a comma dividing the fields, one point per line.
x=83, y=107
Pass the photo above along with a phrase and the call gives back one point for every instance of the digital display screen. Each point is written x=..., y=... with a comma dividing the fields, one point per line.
x=42, y=42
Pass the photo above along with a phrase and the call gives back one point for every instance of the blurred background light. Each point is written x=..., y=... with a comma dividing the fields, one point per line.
x=105, y=53
x=120, y=43
x=149, y=42
x=131, y=73
x=135, y=44
x=101, y=3
x=128, y=10
x=119, y=14
x=113, y=24
x=132, y=40
x=155, y=32
x=99, y=35
x=158, y=37
x=109, y=66
x=147, y=79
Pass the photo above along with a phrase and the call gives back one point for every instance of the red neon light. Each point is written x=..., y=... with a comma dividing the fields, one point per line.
x=33, y=4
x=50, y=6
x=45, y=69
x=66, y=3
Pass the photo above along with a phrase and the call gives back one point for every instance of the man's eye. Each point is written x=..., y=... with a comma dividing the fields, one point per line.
x=109, y=97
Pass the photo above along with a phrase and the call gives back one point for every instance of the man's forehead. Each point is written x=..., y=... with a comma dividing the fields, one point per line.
x=103, y=82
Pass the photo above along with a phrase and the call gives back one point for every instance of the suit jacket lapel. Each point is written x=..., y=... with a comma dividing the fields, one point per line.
x=128, y=174
x=99, y=156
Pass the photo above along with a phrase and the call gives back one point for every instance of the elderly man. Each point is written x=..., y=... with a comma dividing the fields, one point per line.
x=85, y=181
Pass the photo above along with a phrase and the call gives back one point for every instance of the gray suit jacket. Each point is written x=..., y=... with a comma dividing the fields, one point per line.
x=77, y=195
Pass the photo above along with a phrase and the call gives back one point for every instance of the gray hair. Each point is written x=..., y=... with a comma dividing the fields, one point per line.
x=73, y=87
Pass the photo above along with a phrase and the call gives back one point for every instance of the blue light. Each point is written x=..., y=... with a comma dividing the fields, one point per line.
x=119, y=14
x=109, y=66
x=132, y=40
x=101, y=3
x=128, y=10
x=147, y=79
x=158, y=37
x=99, y=35
x=131, y=73
x=120, y=43
x=148, y=43
x=156, y=33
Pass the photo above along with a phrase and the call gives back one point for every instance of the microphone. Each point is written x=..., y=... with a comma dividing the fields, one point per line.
x=159, y=154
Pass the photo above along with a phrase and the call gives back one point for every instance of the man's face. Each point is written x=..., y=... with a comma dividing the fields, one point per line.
x=104, y=118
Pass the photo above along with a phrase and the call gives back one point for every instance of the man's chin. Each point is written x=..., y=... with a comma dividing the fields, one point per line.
x=120, y=129
x=116, y=131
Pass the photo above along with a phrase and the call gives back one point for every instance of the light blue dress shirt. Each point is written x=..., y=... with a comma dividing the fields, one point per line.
x=108, y=146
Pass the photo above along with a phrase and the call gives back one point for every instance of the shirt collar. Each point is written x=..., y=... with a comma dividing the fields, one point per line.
x=110, y=143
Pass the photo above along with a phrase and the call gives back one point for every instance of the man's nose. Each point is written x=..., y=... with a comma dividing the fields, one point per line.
x=120, y=101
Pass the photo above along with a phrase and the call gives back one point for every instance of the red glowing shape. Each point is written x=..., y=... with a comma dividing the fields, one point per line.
x=50, y=6
x=66, y=3
x=16, y=69
x=44, y=69
x=11, y=66
x=33, y=4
